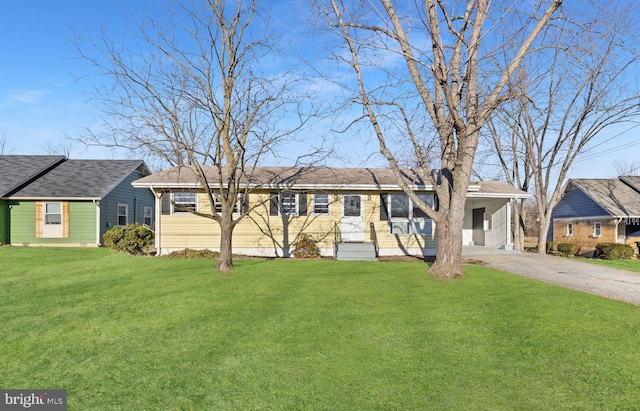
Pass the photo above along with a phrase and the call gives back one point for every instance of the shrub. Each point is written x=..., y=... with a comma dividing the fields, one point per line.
x=306, y=247
x=612, y=251
x=567, y=249
x=194, y=254
x=550, y=246
x=131, y=239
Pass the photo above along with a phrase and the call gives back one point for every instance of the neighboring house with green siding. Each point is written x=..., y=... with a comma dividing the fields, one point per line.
x=51, y=200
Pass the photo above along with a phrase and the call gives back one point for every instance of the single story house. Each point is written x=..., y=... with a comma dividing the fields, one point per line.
x=342, y=209
x=51, y=200
x=593, y=211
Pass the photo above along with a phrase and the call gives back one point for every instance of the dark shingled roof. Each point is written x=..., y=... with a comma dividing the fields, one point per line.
x=16, y=171
x=318, y=177
x=80, y=179
x=618, y=196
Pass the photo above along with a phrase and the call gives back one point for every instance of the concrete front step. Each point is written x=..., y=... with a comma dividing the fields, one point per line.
x=356, y=251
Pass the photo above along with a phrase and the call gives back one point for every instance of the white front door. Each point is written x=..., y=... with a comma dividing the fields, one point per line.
x=352, y=219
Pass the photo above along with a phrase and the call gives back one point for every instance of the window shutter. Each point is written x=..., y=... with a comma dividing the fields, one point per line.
x=38, y=219
x=384, y=213
x=166, y=203
x=245, y=203
x=65, y=219
x=273, y=204
x=302, y=204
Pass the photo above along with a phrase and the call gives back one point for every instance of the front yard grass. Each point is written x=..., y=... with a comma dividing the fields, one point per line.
x=145, y=333
x=629, y=265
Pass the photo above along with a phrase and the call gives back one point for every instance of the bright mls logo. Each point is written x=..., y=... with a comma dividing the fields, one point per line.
x=40, y=400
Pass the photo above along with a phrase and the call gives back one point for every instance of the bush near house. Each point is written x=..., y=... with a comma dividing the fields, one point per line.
x=194, y=254
x=612, y=251
x=306, y=247
x=550, y=246
x=131, y=239
x=567, y=249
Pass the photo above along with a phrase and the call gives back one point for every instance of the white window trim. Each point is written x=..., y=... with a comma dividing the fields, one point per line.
x=144, y=216
x=236, y=207
x=296, y=201
x=126, y=214
x=173, y=203
x=569, y=229
x=411, y=220
x=598, y=229
x=328, y=204
x=58, y=232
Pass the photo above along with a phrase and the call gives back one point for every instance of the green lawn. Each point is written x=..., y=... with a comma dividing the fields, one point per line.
x=144, y=333
x=629, y=265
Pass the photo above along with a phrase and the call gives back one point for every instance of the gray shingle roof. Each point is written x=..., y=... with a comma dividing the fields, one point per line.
x=316, y=177
x=633, y=181
x=614, y=195
x=80, y=179
x=18, y=170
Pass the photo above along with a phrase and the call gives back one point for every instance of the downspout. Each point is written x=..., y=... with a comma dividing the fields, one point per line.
x=158, y=222
x=97, y=203
x=509, y=233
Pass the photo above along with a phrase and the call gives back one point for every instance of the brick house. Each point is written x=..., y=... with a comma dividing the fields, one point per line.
x=593, y=211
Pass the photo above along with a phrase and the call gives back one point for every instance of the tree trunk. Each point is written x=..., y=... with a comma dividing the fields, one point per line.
x=225, y=262
x=448, y=262
x=545, y=222
x=519, y=211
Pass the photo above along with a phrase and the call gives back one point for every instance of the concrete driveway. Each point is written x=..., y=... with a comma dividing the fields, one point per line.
x=607, y=282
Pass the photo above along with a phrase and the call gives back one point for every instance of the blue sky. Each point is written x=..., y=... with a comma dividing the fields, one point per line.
x=42, y=102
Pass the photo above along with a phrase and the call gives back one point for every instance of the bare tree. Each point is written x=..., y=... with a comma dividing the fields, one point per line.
x=437, y=54
x=566, y=98
x=197, y=91
x=5, y=145
x=622, y=167
x=60, y=148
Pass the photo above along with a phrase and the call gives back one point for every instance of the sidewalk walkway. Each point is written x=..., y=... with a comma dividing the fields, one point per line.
x=604, y=281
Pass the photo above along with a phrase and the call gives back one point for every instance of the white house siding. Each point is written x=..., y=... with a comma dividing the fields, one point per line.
x=498, y=236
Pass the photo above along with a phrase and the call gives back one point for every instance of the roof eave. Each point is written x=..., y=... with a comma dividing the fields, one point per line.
x=52, y=198
x=515, y=196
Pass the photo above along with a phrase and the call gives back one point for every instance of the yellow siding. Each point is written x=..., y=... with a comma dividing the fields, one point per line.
x=273, y=233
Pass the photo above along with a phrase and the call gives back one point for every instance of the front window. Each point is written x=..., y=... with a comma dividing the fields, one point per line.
x=400, y=206
x=288, y=205
x=406, y=217
x=596, y=229
x=184, y=202
x=147, y=216
x=321, y=204
x=569, y=229
x=218, y=206
x=53, y=213
x=122, y=214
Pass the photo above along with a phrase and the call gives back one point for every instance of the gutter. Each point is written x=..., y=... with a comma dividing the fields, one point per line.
x=98, y=225
x=94, y=199
x=342, y=187
x=158, y=218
